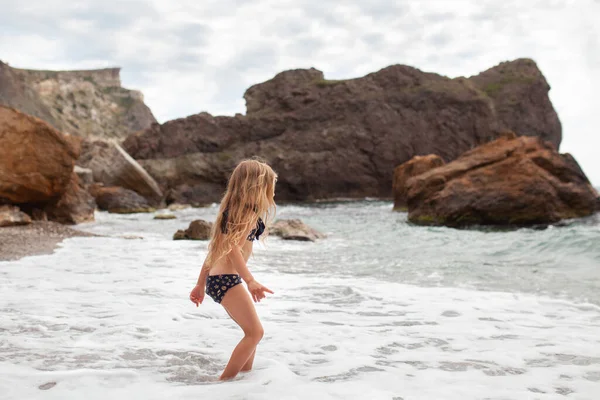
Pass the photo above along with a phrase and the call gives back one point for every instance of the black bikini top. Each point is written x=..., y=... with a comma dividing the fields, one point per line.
x=254, y=234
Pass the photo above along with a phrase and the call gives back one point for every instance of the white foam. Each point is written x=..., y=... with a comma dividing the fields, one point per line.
x=111, y=317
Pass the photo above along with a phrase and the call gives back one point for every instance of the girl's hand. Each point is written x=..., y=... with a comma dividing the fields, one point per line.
x=257, y=290
x=197, y=295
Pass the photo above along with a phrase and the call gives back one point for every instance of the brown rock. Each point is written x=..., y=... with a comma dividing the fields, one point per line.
x=198, y=230
x=165, y=216
x=75, y=206
x=119, y=200
x=112, y=166
x=330, y=139
x=85, y=175
x=12, y=216
x=294, y=229
x=519, y=181
x=415, y=166
x=36, y=161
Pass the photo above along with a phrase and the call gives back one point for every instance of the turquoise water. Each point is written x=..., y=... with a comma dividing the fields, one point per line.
x=368, y=239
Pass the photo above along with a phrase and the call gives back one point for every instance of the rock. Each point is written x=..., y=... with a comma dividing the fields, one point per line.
x=47, y=386
x=85, y=175
x=165, y=216
x=331, y=139
x=89, y=103
x=294, y=229
x=36, y=161
x=511, y=181
x=112, y=166
x=198, y=230
x=75, y=206
x=12, y=216
x=177, y=206
x=119, y=200
x=415, y=166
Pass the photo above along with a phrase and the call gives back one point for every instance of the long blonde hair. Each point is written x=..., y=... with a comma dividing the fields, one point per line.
x=249, y=196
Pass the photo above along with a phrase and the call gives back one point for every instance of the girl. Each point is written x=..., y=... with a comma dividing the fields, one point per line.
x=248, y=200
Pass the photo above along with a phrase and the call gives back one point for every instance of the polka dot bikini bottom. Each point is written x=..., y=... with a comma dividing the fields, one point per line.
x=218, y=285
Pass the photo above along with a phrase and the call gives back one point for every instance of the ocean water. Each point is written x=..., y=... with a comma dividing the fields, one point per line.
x=380, y=309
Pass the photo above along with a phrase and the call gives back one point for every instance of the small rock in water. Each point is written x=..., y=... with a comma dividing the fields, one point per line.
x=198, y=230
x=294, y=229
x=47, y=385
x=165, y=216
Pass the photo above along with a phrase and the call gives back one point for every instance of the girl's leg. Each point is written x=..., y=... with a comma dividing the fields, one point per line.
x=248, y=366
x=239, y=305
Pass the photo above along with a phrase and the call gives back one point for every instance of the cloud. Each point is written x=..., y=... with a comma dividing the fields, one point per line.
x=189, y=56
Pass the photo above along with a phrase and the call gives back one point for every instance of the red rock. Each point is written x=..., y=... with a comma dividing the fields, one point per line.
x=510, y=181
x=415, y=166
x=36, y=161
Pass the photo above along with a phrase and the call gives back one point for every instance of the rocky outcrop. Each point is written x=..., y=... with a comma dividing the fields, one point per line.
x=294, y=229
x=75, y=206
x=511, y=181
x=12, y=216
x=90, y=104
x=112, y=166
x=119, y=200
x=36, y=161
x=329, y=139
x=198, y=230
x=415, y=166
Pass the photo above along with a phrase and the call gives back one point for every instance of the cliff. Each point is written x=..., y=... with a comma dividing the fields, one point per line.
x=90, y=104
x=330, y=138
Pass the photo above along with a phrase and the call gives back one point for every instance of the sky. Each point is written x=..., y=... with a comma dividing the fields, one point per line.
x=188, y=56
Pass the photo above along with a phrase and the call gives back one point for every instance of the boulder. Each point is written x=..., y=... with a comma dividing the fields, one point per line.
x=112, y=166
x=119, y=200
x=36, y=161
x=12, y=216
x=85, y=175
x=415, y=166
x=75, y=206
x=343, y=138
x=198, y=230
x=511, y=181
x=294, y=229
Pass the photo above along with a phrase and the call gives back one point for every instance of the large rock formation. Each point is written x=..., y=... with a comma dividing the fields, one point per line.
x=511, y=181
x=37, y=170
x=36, y=161
x=331, y=139
x=112, y=166
x=415, y=166
x=83, y=103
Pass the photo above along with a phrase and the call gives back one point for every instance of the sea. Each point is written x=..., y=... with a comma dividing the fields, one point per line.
x=379, y=309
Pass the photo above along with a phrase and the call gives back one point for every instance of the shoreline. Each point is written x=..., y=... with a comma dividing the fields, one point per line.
x=38, y=238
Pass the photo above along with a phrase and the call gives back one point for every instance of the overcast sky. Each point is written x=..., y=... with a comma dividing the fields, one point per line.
x=188, y=56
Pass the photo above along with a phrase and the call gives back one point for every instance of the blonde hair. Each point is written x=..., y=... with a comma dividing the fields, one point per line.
x=249, y=196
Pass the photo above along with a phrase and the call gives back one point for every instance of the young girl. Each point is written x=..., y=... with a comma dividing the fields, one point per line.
x=248, y=201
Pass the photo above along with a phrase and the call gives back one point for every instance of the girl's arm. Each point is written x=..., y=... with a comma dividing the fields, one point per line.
x=203, y=275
